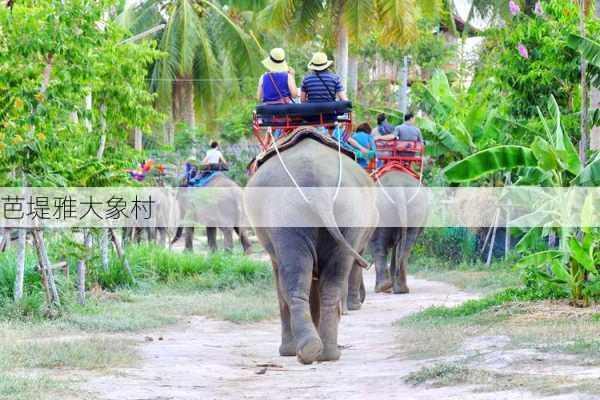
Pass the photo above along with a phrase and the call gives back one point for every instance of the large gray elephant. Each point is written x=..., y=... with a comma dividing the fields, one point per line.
x=403, y=200
x=215, y=213
x=311, y=263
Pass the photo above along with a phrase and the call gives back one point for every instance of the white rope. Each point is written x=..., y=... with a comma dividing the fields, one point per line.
x=385, y=192
x=286, y=169
x=420, y=182
x=339, y=183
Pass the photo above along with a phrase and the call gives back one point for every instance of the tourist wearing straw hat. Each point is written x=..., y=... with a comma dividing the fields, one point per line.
x=322, y=85
x=278, y=85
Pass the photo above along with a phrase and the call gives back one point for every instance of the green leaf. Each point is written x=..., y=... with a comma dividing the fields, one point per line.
x=540, y=258
x=581, y=256
x=499, y=158
x=561, y=273
x=545, y=154
x=590, y=175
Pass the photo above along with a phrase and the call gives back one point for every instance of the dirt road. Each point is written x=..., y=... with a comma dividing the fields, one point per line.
x=210, y=359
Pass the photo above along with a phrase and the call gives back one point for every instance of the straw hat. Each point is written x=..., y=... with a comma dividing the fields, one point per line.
x=319, y=62
x=276, y=61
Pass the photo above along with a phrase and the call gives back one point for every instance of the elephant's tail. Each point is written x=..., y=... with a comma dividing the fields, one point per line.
x=324, y=209
x=178, y=234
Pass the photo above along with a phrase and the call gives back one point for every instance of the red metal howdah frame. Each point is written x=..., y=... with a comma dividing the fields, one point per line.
x=288, y=124
x=405, y=156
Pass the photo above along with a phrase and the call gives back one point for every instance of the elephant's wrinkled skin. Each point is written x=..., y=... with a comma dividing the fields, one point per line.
x=310, y=308
x=410, y=210
x=226, y=206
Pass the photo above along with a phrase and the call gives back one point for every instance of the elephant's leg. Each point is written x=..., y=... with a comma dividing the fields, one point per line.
x=331, y=283
x=189, y=238
x=379, y=249
x=227, y=238
x=354, y=298
x=211, y=237
x=162, y=236
x=295, y=277
x=315, y=302
x=399, y=277
x=288, y=344
x=244, y=240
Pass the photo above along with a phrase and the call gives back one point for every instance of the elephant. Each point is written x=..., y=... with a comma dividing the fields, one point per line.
x=311, y=264
x=225, y=206
x=410, y=209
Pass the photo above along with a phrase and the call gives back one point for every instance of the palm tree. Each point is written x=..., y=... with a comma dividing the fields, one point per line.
x=205, y=52
x=394, y=20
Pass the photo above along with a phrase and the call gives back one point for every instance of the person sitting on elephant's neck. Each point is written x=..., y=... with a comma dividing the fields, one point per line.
x=214, y=160
x=278, y=85
x=321, y=86
x=364, y=143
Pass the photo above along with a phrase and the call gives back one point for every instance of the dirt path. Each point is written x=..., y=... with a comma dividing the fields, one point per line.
x=219, y=360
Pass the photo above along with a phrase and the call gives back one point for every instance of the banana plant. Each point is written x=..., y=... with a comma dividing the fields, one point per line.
x=453, y=126
x=551, y=159
x=575, y=268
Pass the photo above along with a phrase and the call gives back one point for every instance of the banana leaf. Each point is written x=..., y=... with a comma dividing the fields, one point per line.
x=499, y=158
x=590, y=175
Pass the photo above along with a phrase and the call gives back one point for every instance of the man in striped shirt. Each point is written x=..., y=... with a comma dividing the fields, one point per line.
x=321, y=85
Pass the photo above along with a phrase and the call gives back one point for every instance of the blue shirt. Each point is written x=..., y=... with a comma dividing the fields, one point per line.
x=321, y=90
x=272, y=93
x=367, y=141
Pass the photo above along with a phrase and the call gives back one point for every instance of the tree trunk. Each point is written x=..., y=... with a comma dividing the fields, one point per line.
x=137, y=139
x=103, y=243
x=169, y=133
x=81, y=267
x=341, y=52
x=353, y=75
x=584, y=122
x=102, y=145
x=595, y=103
x=403, y=93
x=21, y=247
x=183, y=101
x=121, y=253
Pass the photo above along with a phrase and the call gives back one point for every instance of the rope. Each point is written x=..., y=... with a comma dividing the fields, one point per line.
x=420, y=182
x=286, y=169
x=385, y=192
x=339, y=183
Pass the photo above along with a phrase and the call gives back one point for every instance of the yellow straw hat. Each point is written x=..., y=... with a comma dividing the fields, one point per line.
x=319, y=62
x=276, y=61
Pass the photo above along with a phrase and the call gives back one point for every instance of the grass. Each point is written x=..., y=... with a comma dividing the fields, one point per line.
x=168, y=287
x=453, y=374
x=472, y=277
x=86, y=353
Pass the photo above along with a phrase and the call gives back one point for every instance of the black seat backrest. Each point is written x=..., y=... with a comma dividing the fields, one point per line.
x=333, y=108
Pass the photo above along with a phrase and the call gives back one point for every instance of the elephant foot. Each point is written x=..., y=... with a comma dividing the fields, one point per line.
x=401, y=289
x=354, y=304
x=385, y=286
x=330, y=352
x=287, y=349
x=309, y=350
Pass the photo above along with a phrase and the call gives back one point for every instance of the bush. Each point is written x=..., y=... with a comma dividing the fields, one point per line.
x=452, y=244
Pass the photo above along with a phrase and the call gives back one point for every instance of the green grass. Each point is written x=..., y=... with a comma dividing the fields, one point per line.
x=15, y=386
x=472, y=277
x=167, y=288
x=87, y=353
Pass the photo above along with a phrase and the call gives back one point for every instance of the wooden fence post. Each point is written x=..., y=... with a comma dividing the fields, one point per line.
x=120, y=252
x=21, y=249
x=81, y=266
x=45, y=268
